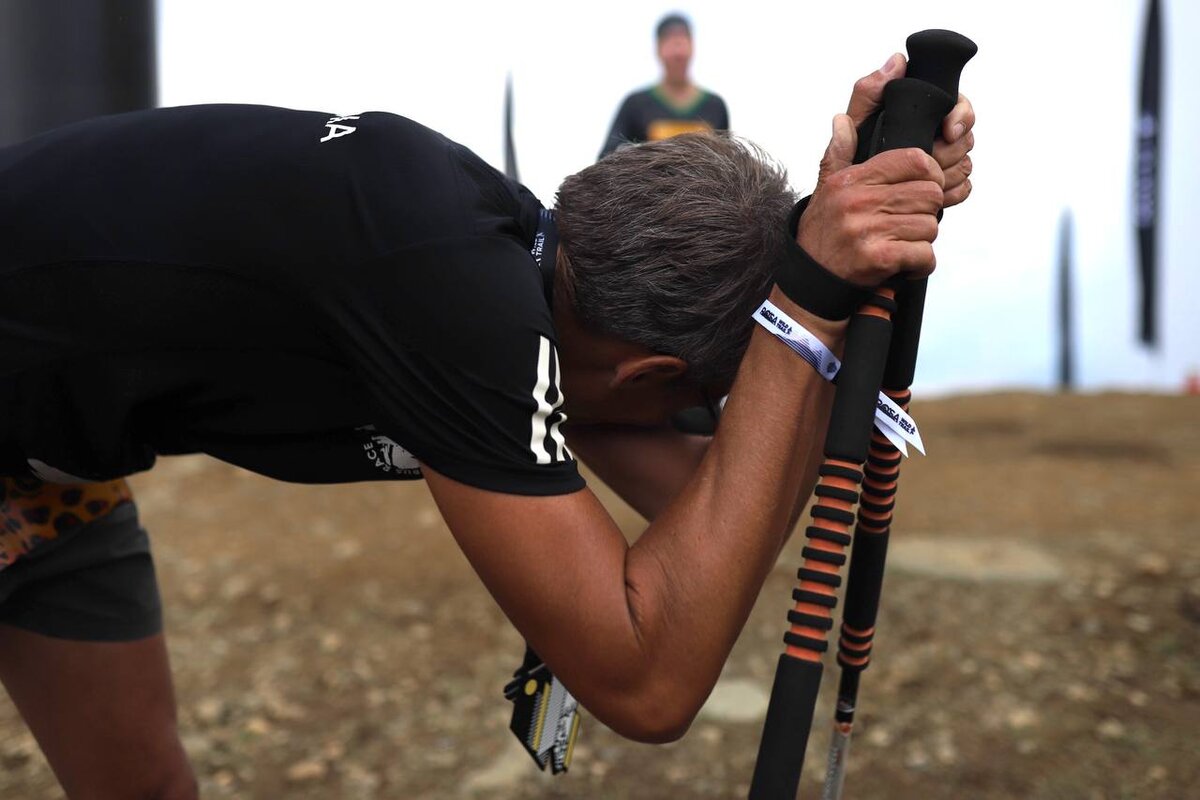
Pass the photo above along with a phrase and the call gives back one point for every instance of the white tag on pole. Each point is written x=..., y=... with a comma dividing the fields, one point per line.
x=894, y=422
x=893, y=437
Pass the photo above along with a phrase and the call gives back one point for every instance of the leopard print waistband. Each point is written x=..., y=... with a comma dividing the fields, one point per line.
x=32, y=512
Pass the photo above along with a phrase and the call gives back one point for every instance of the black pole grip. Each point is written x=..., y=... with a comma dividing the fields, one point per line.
x=785, y=732
x=934, y=56
x=849, y=434
x=915, y=110
x=865, y=580
x=938, y=57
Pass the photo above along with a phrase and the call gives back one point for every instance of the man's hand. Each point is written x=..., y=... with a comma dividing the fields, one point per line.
x=952, y=151
x=868, y=222
x=957, y=137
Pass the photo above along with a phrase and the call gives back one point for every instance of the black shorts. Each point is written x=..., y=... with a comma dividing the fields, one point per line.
x=95, y=584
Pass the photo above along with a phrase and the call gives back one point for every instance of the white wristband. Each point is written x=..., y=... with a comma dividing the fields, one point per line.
x=892, y=421
x=801, y=340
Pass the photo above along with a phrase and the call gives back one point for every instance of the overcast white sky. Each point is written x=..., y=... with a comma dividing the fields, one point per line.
x=1054, y=86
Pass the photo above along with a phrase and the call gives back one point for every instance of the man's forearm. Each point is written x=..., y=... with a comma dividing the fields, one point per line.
x=693, y=576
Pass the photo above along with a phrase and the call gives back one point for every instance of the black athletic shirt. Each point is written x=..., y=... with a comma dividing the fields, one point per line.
x=314, y=298
x=647, y=116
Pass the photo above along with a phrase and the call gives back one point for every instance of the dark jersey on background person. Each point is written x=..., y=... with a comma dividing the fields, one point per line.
x=310, y=297
x=648, y=116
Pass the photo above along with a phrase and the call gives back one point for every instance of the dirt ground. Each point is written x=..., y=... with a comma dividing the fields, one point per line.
x=1039, y=638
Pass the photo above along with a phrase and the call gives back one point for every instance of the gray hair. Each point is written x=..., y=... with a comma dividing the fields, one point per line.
x=672, y=245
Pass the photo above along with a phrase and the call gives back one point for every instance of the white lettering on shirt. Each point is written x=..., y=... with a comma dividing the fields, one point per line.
x=336, y=129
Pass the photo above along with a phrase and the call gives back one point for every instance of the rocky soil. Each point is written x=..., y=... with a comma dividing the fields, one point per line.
x=1040, y=635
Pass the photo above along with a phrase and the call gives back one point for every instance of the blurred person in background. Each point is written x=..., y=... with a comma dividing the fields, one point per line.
x=325, y=299
x=675, y=105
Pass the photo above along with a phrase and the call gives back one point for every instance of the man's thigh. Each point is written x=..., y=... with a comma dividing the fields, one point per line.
x=102, y=712
x=81, y=650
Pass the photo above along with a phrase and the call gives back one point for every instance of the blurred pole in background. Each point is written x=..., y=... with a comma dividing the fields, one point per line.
x=510, y=147
x=67, y=60
x=1146, y=201
x=1066, y=366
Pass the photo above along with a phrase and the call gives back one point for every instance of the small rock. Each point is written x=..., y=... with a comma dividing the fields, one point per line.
x=878, y=736
x=360, y=780
x=1026, y=746
x=1138, y=698
x=1105, y=588
x=509, y=771
x=710, y=734
x=736, y=700
x=257, y=726
x=1140, y=623
x=224, y=778
x=235, y=587
x=1032, y=660
x=1157, y=773
x=270, y=594
x=1153, y=565
x=993, y=559
x=281, y=710
x=331, y=642
x=598, y=769
x=1021, y=718
x=196, y=745
x=1110, y=729
x=193, y=591
x=945, y=751
x=916, y=757
x=304, y=771
x=346, y=549
x=210, y=710
x=420, y=631
x=18, y=751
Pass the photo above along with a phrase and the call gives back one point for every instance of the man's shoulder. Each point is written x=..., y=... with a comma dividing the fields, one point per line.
x=640, y=96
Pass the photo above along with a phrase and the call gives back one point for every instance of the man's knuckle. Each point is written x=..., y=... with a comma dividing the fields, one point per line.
x=884, y=255
x=931, y=229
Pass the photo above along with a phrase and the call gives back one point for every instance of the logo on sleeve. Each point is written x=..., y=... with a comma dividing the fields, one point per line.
x=546, y=440
x=388, y=455
x=336, y=129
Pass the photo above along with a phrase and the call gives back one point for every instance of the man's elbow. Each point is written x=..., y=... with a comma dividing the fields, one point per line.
x=651, y=716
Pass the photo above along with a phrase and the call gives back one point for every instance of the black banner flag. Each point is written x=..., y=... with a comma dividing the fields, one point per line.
x=1147, y=192
x=510, y=148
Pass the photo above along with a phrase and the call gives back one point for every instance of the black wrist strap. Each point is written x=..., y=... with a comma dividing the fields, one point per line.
x=809, y=285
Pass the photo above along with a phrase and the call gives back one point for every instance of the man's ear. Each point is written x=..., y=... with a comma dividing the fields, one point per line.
x=636, y=370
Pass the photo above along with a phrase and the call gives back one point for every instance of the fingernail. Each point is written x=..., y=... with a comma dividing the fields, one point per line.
x=959, y=129
x=889, y=66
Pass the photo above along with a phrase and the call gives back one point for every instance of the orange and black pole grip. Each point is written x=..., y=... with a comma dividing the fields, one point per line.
x=938, y=58
x=919, y=108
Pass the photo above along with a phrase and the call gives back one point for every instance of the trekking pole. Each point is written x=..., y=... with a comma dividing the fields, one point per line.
x=937, y=57
x=914, y=109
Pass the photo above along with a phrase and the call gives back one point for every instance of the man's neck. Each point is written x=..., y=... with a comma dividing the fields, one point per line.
x=679, y=93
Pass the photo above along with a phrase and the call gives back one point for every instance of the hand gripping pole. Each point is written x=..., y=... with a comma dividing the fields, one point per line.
x=937, y=57
x=912, y=111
